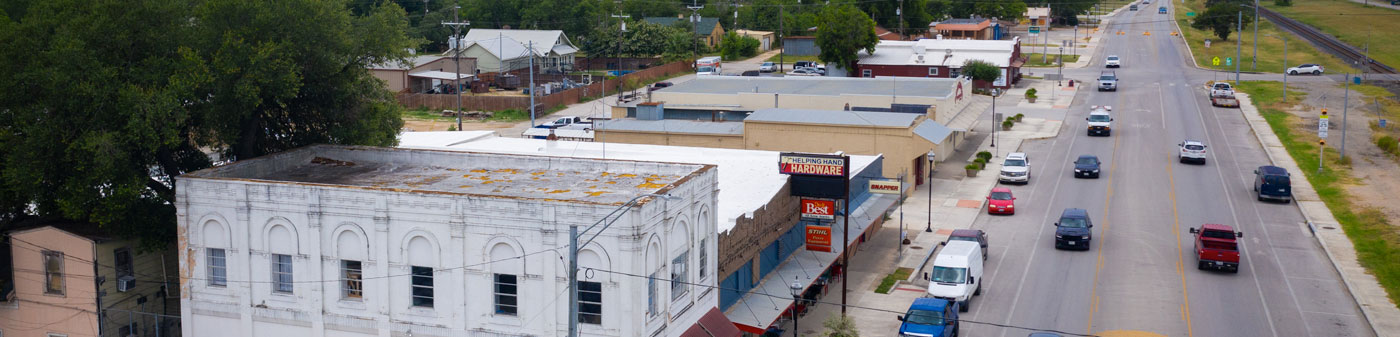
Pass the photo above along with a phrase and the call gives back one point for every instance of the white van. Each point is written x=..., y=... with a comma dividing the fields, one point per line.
x=708, y=66
x=957, y=273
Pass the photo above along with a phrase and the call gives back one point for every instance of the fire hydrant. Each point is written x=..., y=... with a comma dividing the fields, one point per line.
x=1071, y=83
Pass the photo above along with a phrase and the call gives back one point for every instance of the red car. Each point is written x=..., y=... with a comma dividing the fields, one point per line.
x=1000, y=201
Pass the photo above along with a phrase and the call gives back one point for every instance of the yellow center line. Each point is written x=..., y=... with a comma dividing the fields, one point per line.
x=1103, y=235
x=1180, y=256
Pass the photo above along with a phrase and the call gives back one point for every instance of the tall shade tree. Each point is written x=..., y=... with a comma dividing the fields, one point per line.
x=843, y=31
x=981, y=71
x=109, y=100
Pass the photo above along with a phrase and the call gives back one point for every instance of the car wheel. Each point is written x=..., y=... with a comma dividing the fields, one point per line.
x=1317, y=72
x=1293, y=72
x=1235, y=270
x=1260, y=197
x=1287, y=201
x=978, y=292
x=966, y=305
x=1200, y=265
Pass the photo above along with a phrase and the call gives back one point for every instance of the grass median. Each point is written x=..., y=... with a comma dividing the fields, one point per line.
x=1270, y=45
x=1377, y=242
x=1034, y=59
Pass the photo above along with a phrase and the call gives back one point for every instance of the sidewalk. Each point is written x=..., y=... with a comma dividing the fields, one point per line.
x=1086, y=53
x=1383, y=315
x=956, y=203
x=1049, y=94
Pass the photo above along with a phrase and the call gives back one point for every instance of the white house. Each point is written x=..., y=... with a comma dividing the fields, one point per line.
x=491, y=47
x=363, y=241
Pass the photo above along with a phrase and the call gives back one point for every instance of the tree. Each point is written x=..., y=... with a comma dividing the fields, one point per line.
x=1283, y=2
x=736, y=47
x=981, y=70
x=840, y=326
x=109, y=100
x=1221, y=18
x=843, y=31
x=886, y=13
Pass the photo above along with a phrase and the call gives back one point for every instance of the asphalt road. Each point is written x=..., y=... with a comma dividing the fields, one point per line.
x=1139, y=274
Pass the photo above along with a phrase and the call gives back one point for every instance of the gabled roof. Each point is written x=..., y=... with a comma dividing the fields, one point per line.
x=705, y=26
x=504, y=48
x=90, y=231
x=544, y=41
x=413, y=62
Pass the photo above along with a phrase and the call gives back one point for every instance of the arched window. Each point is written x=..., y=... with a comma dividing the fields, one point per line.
x=352, y=251
x=216, y=246
x=506, y=269
x=680, y=260
x=283, y=245
x=590, y=286
x=422, y=259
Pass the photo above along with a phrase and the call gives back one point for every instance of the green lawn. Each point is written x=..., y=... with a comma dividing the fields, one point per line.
x=1033, y=60
x=1270, y=45
x=887, y=284
x=427, y=114
x=1351, y=22
x=789, y=59
x=1377, y=242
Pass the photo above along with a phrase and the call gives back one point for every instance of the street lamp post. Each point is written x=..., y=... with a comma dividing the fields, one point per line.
x=796, y=289
x=929, y=184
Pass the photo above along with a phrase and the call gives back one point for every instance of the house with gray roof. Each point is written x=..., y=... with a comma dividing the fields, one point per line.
x=504, y=50
x=705, y=28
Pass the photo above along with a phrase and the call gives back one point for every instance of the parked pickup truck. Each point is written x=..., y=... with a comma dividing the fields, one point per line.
x=1222, y=95
x=1217, y=248
x=567, y=121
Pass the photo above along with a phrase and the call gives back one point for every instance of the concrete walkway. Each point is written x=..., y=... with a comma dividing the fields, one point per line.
x=1383, y=315
x=1049, y=94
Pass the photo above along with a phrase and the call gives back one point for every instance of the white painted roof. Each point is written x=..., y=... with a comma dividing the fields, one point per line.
x=504, y=48
x=440, y=75
x=748, y=179
x=935, y=52
x=544, y=40
x=413, y=62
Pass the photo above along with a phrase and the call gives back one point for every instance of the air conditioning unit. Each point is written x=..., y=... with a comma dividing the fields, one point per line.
x=126, y=283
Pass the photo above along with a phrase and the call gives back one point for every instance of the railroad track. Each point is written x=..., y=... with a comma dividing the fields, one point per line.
x=1328, y=43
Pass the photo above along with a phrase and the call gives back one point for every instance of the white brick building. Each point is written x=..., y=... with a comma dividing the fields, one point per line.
x=359, y=241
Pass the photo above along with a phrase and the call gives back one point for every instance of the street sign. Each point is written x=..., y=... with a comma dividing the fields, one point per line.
x=1213, y=61
x=1034, y=30
x=1322, y=127
x=1229, y=61
x=1190, y=14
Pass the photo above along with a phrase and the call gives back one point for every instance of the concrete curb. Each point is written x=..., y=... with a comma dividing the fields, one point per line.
x=1191, y=54
x=1382, y=315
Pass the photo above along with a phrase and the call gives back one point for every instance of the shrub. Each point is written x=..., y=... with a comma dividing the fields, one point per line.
x=1030, y=92
x=452, y=128
x=985, y=155
x=1007, y=124
x=972, y=167
x=1010, y=119
x=981, y=163
x=1389, y=145
x=1019, y=116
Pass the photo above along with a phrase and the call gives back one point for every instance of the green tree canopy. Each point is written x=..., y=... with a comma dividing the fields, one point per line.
x=1222, y=18
x=737, y=47
x=843, y=31
x=110, y=100
x=981, y=70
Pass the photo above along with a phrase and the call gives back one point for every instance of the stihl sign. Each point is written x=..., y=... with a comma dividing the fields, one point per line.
x=818, y=209
x=819, y=238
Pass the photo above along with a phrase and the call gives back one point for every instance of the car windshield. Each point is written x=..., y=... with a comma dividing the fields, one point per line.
x=923, y=317
x=1112, y=58
x=1106, y=77
x=1195, y=147
x=1015, y=162
x=1001, y=196
x=1087, y=161
x=1098, y=118
x=1276, y=180
x=768, y=63
x=1072, y=223
x=948, y=275
x=705, y=69
x=963, y=238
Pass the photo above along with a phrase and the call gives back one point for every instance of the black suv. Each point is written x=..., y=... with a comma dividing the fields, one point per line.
x=1272, y=183
x=1072, y=231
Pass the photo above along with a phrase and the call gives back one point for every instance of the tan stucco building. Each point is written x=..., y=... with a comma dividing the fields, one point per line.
x=72, y=280
x=422, y=72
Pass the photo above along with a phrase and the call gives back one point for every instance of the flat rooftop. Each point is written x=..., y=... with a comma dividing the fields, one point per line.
x=835, y=117
x=748, y=179
x=513, y=176
x=671, y=126
x=817, y=86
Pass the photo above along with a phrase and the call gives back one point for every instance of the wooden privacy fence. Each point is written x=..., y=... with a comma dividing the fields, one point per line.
x=565, y=97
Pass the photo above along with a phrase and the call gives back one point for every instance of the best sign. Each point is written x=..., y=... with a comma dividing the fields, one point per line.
x=818, y=209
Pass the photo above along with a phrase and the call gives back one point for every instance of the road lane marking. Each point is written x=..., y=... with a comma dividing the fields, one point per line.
x=1103, y=235
x=1263, y=301
x=1180, y=254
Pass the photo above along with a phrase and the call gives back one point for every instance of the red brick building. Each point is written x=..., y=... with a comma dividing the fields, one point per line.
x=942, y=58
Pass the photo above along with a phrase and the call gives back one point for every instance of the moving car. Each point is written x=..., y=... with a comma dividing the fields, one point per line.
x=1132, y=7
x=1216, y=247
x=957, y=273
x=1272, y=183
x=1086, y=166
x=1306, y=69
x=1015, y=169
x=970, y=235
x=1108, y=80
x=1161, y=10
x=1220, y=89
x=1073, y=229
x=803, y=72
x=932, y=317
x=1191, y=151
x=1100, y=122
x=768, y=67
x=1000, y=201
x=1113, y=62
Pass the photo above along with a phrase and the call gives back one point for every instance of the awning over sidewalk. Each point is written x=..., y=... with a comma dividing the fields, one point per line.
x=932, y=131
x=767, y=301
x=964, y=120
x=712, y=324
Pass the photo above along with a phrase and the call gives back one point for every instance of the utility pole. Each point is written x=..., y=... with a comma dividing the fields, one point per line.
x=1253, y=61
x=900, y=11
x=531, y=51
x=736, y=15
x=456, y=56
x=694, y=28
x=1346, y=100
x=623, y=24
x=781, y=13
x=1239, y=27
x=1285, y=68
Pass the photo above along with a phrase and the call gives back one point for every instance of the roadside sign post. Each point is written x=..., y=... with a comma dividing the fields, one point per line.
x=1322, y=138
x=1215, y=61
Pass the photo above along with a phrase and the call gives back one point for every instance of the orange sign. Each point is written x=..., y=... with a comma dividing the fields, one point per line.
x=818, y=209
x=818, y=238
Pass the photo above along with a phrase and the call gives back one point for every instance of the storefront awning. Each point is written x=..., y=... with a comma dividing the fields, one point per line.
x=712, y=324
x=932, y=131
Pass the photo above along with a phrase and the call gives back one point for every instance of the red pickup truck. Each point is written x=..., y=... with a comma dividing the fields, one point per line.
x=1217, y=248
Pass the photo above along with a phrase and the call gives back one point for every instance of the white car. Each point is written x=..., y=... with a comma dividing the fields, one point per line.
x=768, y=67
x=1306, y=69
x=1191, y=151
x=1015, y=169
x=803, y=72
x=1113, y=62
